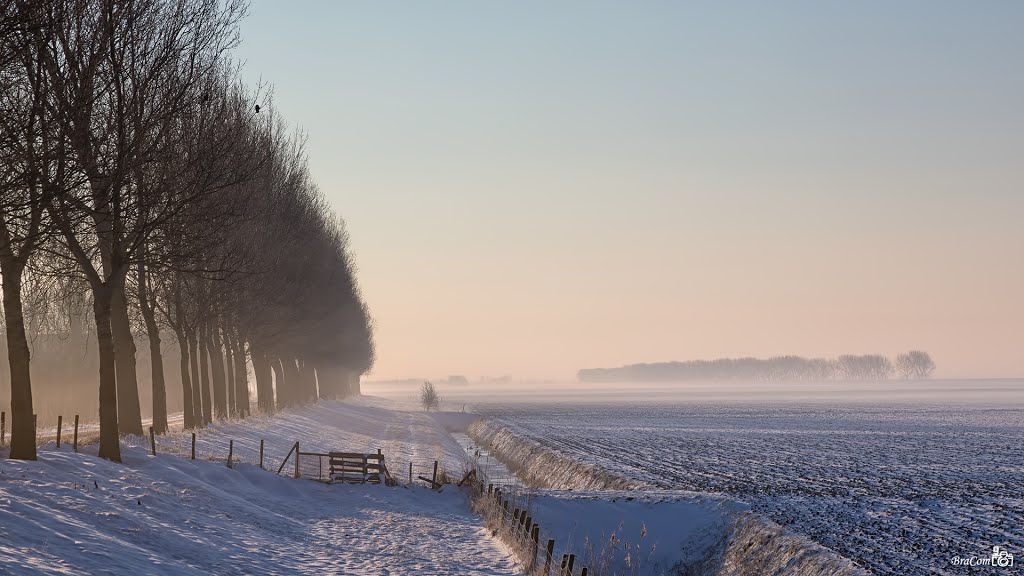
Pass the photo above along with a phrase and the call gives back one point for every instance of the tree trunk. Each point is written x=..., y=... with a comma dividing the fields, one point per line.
x=241, y=378
x=204, y=377
x=129, y=412
x=264, y=379
x=156, y=358
x=292, y=382
x=325, y=381
x=159, y=387
x=198, y=409
x=229, y=377
x=302, y=388
x=220, y=405
x=340, y=381
x=314, y=392
x=308, y=375
x=23, y=430
x=110, y=441
x=280, y=386
x=187, y=402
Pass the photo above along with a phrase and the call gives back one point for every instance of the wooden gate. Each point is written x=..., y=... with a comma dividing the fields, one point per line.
x=357, y=468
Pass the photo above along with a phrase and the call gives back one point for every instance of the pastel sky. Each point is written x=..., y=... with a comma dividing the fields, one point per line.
x=536, y=187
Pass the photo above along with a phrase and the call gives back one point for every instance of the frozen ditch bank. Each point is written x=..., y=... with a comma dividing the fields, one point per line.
x=73, y=513
x=669, y=532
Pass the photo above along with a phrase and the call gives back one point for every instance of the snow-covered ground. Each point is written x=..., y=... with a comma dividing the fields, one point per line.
x=73, y=513
x=617, y=525
x=899, y=489
x=635, y=532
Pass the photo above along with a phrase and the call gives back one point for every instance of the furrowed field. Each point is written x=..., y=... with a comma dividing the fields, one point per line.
x=899, y=490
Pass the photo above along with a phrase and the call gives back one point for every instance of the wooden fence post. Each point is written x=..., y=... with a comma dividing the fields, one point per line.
x=515, y=521
x=490, y=489
x=193, y=445
x=565, y=561
x=410, y=472
x=527, y=527
x=433, y=479
x=261, y=453
x=568, y=567
x=60, y=424
x=583, y=571
x=296, y=458
x=75, y=441
x=152, y=441
x=536, y=546
x=548, y=556
x=231, y=451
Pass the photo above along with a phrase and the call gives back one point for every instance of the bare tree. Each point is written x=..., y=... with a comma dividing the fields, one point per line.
x=915, y=364
x=429, y=398
x=122, y=71
x=24, y=157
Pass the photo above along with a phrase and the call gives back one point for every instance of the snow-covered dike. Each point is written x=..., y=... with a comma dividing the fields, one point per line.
x=619, y=525
x=73, y=513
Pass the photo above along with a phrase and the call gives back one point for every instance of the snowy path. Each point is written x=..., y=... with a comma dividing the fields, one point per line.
x=74, y=513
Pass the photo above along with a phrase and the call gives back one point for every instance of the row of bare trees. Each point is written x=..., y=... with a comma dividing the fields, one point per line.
x=915, y=364
x=137, y=169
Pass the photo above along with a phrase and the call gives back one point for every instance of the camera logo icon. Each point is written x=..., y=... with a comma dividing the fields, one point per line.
x=1001, y=558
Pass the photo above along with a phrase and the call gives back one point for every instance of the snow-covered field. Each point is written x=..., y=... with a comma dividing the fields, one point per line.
x=899, y=489
x=73, y=513
x=619, y=526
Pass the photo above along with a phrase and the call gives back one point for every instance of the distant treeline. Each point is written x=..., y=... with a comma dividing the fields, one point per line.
x=915, y=364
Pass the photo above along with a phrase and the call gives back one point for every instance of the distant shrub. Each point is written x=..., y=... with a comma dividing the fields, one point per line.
x=429, y=397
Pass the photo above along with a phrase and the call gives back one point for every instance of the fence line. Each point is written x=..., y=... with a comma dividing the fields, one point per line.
x=507, y=508
x=313, y=465
x=57, y=434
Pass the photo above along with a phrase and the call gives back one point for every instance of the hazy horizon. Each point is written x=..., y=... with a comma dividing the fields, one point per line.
x=912, y=395
x=532, y=189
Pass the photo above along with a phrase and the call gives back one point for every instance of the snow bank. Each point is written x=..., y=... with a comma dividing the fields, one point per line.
x=662, y=532
x=756, y=546
x=542, y=467
x=71, y=513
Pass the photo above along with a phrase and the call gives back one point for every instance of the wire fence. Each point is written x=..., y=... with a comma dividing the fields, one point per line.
x=507, y=506
x=500, y=497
